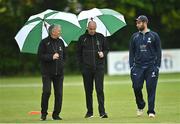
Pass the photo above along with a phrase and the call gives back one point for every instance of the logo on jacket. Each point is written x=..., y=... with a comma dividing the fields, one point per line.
x=143, y=48
x=85, y=39
x=153, y=74
x=60, y=49
x=48, y=43
x=149, y=40
x=134, y=74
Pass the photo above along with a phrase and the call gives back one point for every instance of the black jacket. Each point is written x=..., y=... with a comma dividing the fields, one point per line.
x=145, y=49
x=46, y=50
x=87, y=50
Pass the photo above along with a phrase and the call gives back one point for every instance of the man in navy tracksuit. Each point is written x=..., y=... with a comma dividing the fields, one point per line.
x=144, y=60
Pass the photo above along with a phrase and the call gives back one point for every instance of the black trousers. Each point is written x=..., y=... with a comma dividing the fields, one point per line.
x=89, y=76
x=150, y=75
x=58, y=92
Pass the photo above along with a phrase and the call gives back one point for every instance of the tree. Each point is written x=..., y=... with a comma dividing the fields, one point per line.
x=164, y=17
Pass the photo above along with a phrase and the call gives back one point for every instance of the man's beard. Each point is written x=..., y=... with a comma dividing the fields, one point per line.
x=141, y=28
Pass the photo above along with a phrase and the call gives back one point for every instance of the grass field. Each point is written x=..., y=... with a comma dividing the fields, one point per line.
x=20, y=95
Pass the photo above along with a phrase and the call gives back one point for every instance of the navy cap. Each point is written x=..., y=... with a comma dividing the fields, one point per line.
x=142, y=18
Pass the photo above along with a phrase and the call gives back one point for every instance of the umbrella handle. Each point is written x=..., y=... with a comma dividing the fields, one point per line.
x=98, y=45
x=106, y=32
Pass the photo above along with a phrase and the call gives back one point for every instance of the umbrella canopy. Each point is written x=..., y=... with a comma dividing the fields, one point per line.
x=36, y=29
x=108, y=21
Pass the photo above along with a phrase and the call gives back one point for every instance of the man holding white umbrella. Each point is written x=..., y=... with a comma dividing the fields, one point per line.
x=92, y=50
x=51, y=53
x=50, y=50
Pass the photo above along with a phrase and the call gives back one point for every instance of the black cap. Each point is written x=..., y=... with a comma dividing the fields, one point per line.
x=142, y=18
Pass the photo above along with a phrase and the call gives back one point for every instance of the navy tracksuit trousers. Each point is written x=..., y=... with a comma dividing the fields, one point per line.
x=138, y=76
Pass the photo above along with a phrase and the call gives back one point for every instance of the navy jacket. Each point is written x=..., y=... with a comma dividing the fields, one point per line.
x=145, y=49
x=46, y=50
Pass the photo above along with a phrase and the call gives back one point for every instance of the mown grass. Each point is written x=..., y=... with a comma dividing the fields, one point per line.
x=20, y=95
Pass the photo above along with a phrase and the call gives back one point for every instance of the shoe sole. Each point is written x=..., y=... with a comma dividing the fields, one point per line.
x=103, y=117
x=152, y=116
x=42, y=119
x=139, y=115
x=90, y=117
x=56, y=119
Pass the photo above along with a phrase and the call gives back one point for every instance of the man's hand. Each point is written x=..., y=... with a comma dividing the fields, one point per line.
x=55, y=56
x=101, y=54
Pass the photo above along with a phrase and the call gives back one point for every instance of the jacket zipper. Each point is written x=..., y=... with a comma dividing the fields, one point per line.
x=93, y=51
x=56, y=61
x=143, y=37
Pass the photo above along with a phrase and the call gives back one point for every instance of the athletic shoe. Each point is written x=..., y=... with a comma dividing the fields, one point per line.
x=88, y=115
x=151, y=115
x=104, y=116
x=139, y=112
x=43, y=117
x=56, y=118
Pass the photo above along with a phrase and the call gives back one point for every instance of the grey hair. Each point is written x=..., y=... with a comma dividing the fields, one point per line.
x=52, y=27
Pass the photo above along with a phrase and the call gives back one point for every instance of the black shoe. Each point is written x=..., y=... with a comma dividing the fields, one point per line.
x=88, y=115
x=104, y=115
x=56, y=118
x=43, y=117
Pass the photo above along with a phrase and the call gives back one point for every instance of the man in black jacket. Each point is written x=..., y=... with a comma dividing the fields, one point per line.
x=51, y=53
x=145, y=60
x=92, y=50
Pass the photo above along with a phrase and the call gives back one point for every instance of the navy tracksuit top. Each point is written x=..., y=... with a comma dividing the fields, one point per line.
x=145, y=49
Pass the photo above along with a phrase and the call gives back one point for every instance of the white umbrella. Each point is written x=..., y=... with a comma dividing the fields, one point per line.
x=108, y=21
x=35, y=29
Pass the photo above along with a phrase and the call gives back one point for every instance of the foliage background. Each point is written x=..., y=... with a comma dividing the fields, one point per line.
x=164, y=18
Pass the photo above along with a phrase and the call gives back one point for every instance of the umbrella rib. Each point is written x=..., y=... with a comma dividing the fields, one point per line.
x=104, y=25
x=114, y=16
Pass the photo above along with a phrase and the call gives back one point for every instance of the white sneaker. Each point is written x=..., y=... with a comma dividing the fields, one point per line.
x=139, y=112
x=151, y=115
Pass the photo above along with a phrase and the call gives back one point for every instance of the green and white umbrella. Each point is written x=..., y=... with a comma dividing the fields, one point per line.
x=35, y=29
x=108, y=21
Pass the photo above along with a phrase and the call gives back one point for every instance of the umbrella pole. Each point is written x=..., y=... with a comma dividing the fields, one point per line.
x=106, y=32
x=45, y=25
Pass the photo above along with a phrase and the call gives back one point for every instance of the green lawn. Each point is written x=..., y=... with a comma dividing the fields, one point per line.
x=20, y=95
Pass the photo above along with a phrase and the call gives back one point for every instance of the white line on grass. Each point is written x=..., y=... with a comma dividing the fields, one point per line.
x=29, y=85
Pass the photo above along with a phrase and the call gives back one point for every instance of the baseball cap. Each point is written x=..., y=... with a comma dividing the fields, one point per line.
x=142, y=18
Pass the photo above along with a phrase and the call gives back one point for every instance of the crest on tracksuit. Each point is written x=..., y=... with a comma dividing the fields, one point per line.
x=153, y=74
x=149, y=40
